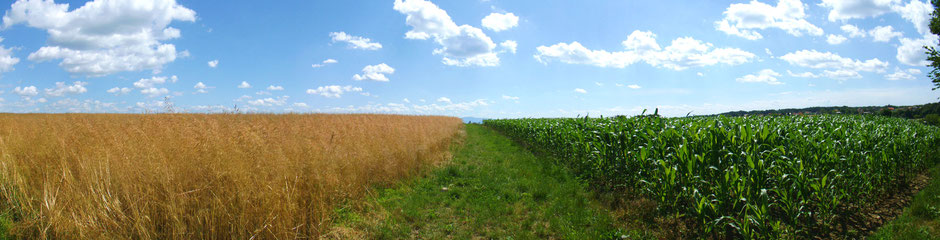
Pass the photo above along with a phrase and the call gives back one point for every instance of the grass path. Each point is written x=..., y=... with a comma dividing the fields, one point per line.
x=493, y=188
x=921, y=219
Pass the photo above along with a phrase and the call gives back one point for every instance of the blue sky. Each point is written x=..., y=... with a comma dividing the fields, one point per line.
x=462, y=58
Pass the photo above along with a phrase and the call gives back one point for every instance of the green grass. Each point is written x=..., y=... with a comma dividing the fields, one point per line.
x=921, y=220
x=5, y=223
x=495, y=189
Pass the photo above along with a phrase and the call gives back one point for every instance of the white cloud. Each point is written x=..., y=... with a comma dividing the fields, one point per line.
x=444, y=99
x=767, y=76
x=849, y=9
x=633, y=86
x=507, y=97
x=61, y=89
x=841, y=74
x=154, y=92
x=355, y=42
x=509, y=45
x=275, y=88
x=119, y=90
x=300, y=104
x=899, y=75
x=324, y=63
x=213, y=63
x=836, y=67
x=201, y=87
x=7, y=60
x=26, y=91
x=500, y=22
x=580, y=90
x=103, y=36
x=153, y=81
x=375, y=73
x=912, y=52
x=883, y=33
x=148, y=86
x=279, y=101
x=682, y=53
x=742, y=19
x=853, y=31
x=333, y=91
x=244, y=84
x=461, y=46
x=835, y=39
x=841, y=67
x=918, y=13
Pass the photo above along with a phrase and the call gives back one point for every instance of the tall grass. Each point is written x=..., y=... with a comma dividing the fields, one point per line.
x=194, y=176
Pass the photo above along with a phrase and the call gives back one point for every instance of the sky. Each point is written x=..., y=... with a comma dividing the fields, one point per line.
x=481, y=58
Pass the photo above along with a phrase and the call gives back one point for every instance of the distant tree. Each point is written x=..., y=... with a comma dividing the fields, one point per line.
x=886, y=112
x=932, y=119
x=932, y=55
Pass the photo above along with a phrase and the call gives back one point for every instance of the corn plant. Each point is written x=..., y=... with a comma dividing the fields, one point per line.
x=741, y=177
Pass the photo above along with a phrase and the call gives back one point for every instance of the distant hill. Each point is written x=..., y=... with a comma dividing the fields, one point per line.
x=472, y=119
x=928, y=112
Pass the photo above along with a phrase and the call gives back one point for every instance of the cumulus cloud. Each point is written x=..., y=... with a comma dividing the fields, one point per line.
x=849, y=9
x=835, y=66
x=333, y=91
x=916, y=12
x=767, y=76
x=61, y=89
x=275, y=88
x=154, y=92
x=355, y=42
x=828, y=60
x=853, y=31
x=324, y=63
x=835, y=39
x=633, y=86
x=509, y=45
x=149, y=86
x=743, y=19
x=444, y=99
x=912, y=52
x=883, y=33
x=119, y=90
x=903, y=75
x=26, y=91
x=7, y=60
x=462, y=45
x=682, y=53
x=375, y=73
x=500, y=22
x=201, y=88
x=278, y=101
x=152, y=81
x=244, y=84
x=213, y=63
x=103, y=36
x=580, y=90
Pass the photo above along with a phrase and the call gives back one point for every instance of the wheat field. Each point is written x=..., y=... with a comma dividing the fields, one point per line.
x=203, y=176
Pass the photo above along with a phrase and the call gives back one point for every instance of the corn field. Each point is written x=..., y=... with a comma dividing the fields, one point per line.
x=741, y=177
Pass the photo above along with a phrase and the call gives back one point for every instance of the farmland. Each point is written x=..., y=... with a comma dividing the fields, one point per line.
x=776, y=177
x=198, y=176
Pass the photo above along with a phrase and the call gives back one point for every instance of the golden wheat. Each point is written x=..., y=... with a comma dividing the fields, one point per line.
x=197, y=176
